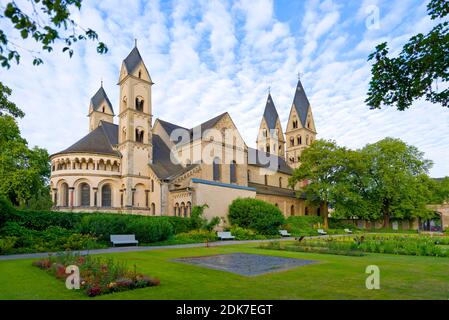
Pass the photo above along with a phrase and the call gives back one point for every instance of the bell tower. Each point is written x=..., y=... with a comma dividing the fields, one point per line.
x=271, y=137
x=135, y=123
x=301, y=131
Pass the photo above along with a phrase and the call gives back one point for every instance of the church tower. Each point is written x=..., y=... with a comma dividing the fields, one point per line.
x=135, y=123
x=301, y=131
x=100, y=109
x=271, y=138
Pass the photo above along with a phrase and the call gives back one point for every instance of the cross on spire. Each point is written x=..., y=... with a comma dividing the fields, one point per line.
x=135, y=42
x=299, y=75
x=101, y=82
x=269, y=89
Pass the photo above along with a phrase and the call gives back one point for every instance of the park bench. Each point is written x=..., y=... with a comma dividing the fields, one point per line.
x=123, y=239
x=348, y=230
x=284, y=233
x=321, y=232
x=225, y=236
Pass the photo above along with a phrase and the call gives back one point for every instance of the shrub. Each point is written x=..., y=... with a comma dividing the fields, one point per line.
x=196, y=236
x=245, y=234
x=199, y=222
x=256, y=214
x=7, y=244
x=146, y=229
x=7, y=211
x=303, y=225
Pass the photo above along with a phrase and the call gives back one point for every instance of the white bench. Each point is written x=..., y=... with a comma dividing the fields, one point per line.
x=284, y=233
x=322, y=232
x=123, y=239
x=348, y=231
x=225, y=236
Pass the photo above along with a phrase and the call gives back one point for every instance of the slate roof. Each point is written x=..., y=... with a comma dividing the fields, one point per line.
x=133, y=60
x=270, y=114
x=276, y=191
x=98, y=99
x=162, y=165
x=100, y=141
x=301, y=103
x=266, y=160
x=170, y=127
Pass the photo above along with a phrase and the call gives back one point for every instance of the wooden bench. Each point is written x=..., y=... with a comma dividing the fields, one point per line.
x=284, y=233
x=123, y=239
x=225, y=236
x=321, y=232
x=348, y=231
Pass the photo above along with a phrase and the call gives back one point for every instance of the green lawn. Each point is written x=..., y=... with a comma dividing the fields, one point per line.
x=334, y=277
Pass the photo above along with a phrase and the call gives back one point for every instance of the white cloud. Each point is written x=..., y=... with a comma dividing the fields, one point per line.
x=207, y=57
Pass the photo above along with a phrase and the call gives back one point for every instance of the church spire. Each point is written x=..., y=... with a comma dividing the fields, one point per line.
x=301, y=103
x=270, y=113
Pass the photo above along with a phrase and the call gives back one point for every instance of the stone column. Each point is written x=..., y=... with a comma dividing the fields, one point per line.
x=133, y=192
x=95, y=196
x=71, y=190
x=55, y=197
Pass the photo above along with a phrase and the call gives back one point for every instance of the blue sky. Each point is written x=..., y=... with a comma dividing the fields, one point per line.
x=207, y=57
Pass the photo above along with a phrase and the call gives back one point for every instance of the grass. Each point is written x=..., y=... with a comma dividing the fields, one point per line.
x=334, y=277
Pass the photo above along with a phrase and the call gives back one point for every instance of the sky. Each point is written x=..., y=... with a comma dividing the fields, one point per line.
x=207, y=57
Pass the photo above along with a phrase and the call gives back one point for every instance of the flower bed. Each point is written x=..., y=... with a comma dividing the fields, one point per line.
x=97, y=275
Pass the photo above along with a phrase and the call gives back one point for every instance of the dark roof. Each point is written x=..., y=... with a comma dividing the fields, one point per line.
x=170, y=127
x=276, y=191
x=211, y=122
x=270, y=114
x=133, y=60
x=98, y=99
x=301, y=103
x=266, y=160
x=162, y=164
x=101, y=140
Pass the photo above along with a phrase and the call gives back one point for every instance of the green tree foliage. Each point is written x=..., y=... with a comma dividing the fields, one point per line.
x=422, y=64
x=381, y=180
x=8, y=107
x=200, y=222
x=257, y=215
x=24, y=172
x=47, y=22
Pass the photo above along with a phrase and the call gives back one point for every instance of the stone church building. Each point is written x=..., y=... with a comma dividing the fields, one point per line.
x=136, y=166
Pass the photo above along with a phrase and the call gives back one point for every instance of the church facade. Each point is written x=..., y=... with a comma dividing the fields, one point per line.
x=141, y=166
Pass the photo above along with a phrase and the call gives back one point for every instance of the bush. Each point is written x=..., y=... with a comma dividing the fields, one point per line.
x=146, y=229
x=255, y=214
x=7, y=244
x=7, y=211
x=196, y=236
x=245, y=234
x=303, y=225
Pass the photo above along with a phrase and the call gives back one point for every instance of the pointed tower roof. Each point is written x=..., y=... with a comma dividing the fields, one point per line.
x=301, y=103
x=270, y=114
x=98, y=99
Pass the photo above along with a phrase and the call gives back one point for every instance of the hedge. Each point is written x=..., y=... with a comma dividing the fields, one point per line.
x=255, y=214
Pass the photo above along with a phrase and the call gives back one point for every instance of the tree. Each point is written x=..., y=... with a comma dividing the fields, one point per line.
x=324, y=167
x=24, y=172
x=47, y=22
x=422, y=64
x=6, y=106
x=392, y=169
x=380, y=181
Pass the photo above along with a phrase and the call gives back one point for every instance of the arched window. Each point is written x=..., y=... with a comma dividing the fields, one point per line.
x=248, y=173
x=308, y=124
x=85, y=194
x=182, y=212
x=139, y=104
x=268, y=148
x=176, y=209
x=65, y=195
x=233, y=171
x=153, y=209
x=292, y=142
x=216, y=169
x=299, y=138
x=152, y=185
x=280, y=182
x=106, y=196
x=189, y=208
x=292, y=210
x=266, y=180
x=295, y=124
x=139, y=135
x=140, y=74
x=277, y=206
